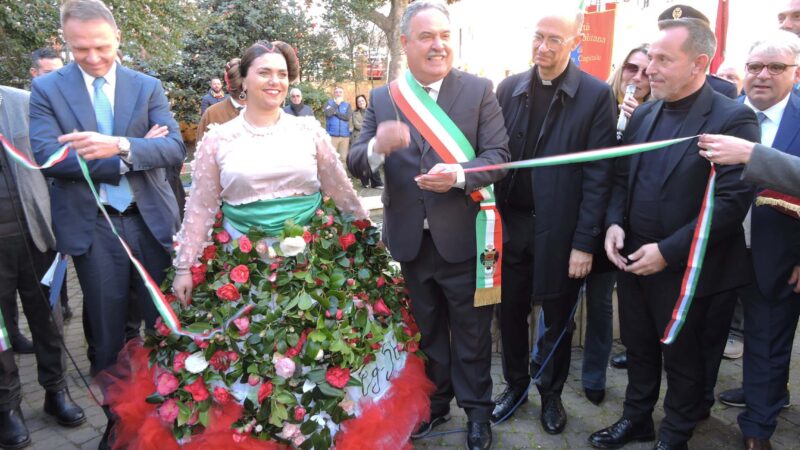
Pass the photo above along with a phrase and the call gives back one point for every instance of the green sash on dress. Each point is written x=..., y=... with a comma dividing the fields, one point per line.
x=272, y=214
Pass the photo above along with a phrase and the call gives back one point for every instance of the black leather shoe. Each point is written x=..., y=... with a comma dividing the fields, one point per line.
x=22, y=345
x=661, y=445
x=506, y=401
x=553, y=417
x=425, y=428
x=60, y=405
x=619, y=361
x=595, y=396
x=735, y=397
x=13, y=432
x=622, y=432
x=757, y=444
x=479, y=436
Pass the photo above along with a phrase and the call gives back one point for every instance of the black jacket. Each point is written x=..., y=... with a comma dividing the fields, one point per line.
x=570, y=200
x=726, y=265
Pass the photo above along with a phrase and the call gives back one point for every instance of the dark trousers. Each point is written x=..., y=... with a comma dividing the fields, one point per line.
x=18, y=276
x=646, y=305
x=107, y=279
x=516, y=307
x=456, y=336
x=769, y=328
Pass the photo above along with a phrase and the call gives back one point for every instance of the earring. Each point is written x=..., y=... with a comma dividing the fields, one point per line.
x=243, y=95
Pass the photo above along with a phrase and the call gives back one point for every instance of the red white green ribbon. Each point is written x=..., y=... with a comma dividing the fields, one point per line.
x=22, y=158
x=694, y=265
x=450, y=144
x=5, y=341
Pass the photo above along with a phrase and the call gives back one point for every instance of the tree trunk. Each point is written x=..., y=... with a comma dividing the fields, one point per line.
x=396, y=56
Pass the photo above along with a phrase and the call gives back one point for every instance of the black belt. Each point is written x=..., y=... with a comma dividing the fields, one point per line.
x=131, y=210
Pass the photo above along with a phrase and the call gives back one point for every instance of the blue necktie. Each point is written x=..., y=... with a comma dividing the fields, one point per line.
x=119, y=197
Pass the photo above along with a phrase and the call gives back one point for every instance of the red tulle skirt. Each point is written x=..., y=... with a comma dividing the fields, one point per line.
x=386, y=424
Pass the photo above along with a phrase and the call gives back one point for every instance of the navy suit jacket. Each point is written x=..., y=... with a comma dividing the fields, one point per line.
x=775, y=237
x=60, y=104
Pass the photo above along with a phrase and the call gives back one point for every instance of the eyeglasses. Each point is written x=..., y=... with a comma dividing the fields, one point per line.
x=553, y=43
x=633, y=68
x=755, y=68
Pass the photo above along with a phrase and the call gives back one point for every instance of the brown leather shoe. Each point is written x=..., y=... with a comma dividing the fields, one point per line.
x=757, y=444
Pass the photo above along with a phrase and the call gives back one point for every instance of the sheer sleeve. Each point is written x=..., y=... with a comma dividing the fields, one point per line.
x=202, y=205
x=333, y=179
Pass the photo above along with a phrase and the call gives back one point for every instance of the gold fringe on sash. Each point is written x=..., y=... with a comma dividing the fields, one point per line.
x=487, y=296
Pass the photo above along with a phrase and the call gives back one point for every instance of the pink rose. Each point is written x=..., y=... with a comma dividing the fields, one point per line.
x=240, y=274
x=284, y=367
x=262, y=248
x=222, y=237
x=290, y=431
x=245, y=245
x=168, y=411
x=166, y=384
x=243, y=324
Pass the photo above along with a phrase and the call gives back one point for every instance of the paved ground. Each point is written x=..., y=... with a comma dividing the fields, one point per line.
x=522, y=432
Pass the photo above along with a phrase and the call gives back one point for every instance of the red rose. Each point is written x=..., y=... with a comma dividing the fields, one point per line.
x=219, y=361
x=245, y=245
x=412, y=346
x=179, y=363
x=299, y=413
x=166, y=384
x=381, y=309
x=240, y=274
x=209, y=253
x=380, y=282
x=264, y=391
x=347, y=240
x=307, y=236
x=221, y=395
x=222, y=237
x=337, y=377
x=161, y=327
x=228, y=292
x=198, y=274
x=361, y=224
x=198, y=390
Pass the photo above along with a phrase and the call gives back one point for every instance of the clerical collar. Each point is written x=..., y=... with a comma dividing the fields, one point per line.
x=685, y=102
x=538, y=82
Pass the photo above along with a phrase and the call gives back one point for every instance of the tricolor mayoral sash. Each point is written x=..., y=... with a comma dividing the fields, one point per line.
x=452, y=146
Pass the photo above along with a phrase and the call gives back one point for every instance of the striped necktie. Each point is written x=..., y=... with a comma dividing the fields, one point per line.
x=119, y=196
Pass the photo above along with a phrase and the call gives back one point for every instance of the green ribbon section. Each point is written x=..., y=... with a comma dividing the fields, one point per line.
x=272, y=214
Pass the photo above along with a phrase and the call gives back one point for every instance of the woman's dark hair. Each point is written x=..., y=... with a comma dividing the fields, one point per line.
x=365, y=100
x=263, y=47
x=233, y=79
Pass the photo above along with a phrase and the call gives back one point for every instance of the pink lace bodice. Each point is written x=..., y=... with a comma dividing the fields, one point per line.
x=239, y=163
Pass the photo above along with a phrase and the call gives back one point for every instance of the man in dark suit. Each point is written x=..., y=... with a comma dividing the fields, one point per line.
x=112, y=108
x=430, y=218
x=654, y=212
x=772, y=304
x=554, y=216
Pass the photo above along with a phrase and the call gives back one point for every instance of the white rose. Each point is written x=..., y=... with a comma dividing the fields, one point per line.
x=293, y=246
x=196, y=362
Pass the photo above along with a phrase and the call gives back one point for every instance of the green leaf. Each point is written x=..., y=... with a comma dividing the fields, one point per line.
x=317, y=336
x=203, y=418
x=308, y=427
x=154, y=398
x=329, y=390
x=278, y=414
x=198, y=327
x=285, y=398
x=305, y=301
x=364, y=274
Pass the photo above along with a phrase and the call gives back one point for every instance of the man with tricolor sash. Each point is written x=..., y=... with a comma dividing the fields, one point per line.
x=676, y=235
x=554, y=216
x=441, y=224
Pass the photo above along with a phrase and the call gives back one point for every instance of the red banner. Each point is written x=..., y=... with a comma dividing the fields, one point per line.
x=721, y=31
x=598, y=41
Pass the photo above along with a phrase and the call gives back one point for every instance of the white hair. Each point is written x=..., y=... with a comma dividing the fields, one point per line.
x=778, y=41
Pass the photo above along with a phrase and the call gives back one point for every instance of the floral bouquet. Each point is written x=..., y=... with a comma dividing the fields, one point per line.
x=307, y=319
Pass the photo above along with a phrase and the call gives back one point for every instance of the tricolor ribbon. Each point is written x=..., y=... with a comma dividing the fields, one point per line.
x=168, y=314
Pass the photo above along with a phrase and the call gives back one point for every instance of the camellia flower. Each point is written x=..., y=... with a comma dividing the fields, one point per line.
x=240, y=274
x=198, y=390
x=161, y=327
x=262, y=248
x=198, y=274
x=361, y=224
x=222, y=237
x=179, y=363
x=284, y=367
x=299, y=413
x=221, y=395
x=196, y=362
x=209, y=252
x=381, y=309
x=219, y=361
x=348, y=406
x=245, y=245
x=243, y=324
x=166, y=384
x=228, y=292
x=293, y=246
x=347, y=240
x=289, y=431
x=337, y=377
x=168, y=411
x=253, y=380
x=307, y=236
x=264, y=391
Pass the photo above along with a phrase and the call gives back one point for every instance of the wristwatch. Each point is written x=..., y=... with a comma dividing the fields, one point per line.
x=124, y=147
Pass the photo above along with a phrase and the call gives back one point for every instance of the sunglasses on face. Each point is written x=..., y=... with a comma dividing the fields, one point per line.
x=755, y=68
x=633, y=68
